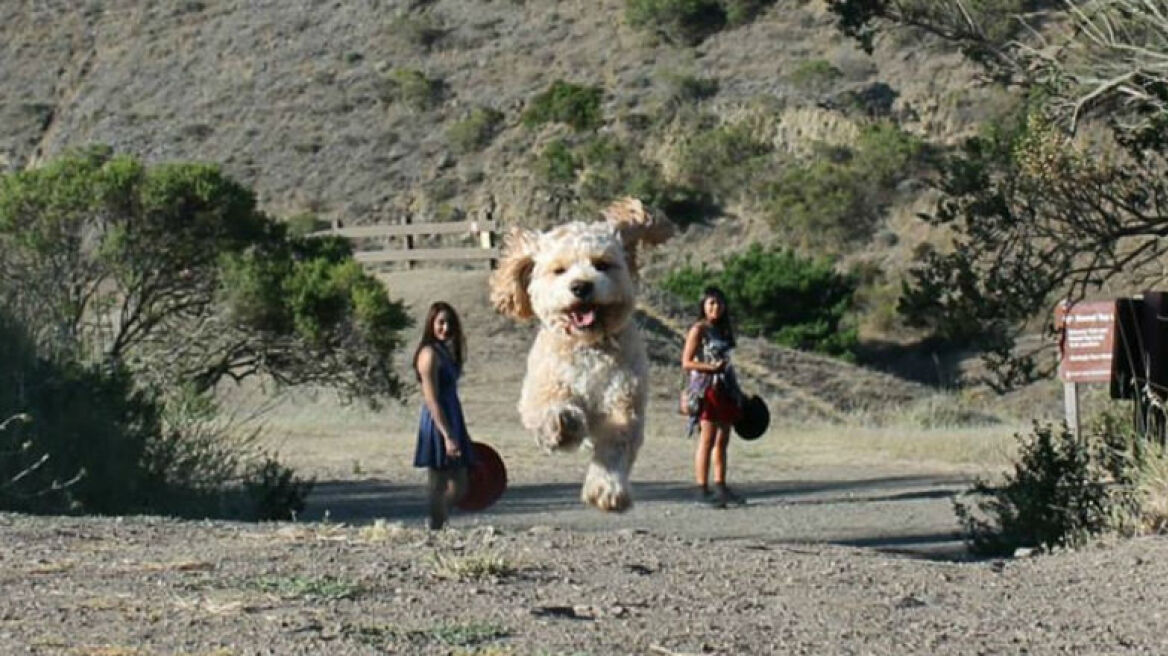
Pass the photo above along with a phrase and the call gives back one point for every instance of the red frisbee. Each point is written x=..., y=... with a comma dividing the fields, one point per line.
x=487, y=479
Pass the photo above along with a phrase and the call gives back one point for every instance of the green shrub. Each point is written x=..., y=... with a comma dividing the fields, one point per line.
x=793, y=301
x=689, y=22
x=684, y=22
x=836, y=201
x=822, y=205
x=556, y=164
x=680, y=90
x=723, y=161
x=816, y=74
x=564, y=102
x=602, y=168
x=1060, y=493
x=413, y=89
x=740, y=12
x=475, y=131
x=304, y=224
x=144, y=287
x=96, y=442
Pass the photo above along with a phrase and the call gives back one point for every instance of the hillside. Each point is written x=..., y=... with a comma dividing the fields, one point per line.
x=297, y=99
x=305, y=102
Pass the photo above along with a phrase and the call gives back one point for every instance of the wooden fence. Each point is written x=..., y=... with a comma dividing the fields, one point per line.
x=376, y=245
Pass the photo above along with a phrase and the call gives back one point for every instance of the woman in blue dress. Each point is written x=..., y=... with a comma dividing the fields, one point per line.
x=444, y=446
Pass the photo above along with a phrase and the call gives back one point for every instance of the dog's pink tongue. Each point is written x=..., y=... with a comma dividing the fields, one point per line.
x=583, y=318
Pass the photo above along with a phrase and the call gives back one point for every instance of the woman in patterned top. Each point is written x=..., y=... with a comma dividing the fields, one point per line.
x=706, y=357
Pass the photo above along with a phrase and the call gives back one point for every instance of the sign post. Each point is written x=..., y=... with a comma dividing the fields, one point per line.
x=1086, y=349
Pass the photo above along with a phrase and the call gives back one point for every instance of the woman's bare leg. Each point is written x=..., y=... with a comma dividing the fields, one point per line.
x=702, y=455
x=438, y=482
x=721, y=442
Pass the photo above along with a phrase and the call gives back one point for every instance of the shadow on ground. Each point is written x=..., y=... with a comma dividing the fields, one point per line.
x=909, y=515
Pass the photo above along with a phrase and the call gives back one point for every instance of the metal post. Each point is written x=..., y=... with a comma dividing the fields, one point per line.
x=1071, y=406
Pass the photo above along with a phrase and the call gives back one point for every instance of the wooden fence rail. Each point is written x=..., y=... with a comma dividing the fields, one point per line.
x=375, y=244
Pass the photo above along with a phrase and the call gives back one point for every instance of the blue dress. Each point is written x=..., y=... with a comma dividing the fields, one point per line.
x=431, y=451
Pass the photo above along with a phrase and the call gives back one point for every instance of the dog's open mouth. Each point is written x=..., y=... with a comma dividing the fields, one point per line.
x=584, y=316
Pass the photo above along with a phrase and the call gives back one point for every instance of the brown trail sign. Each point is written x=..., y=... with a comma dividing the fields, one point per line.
x=1122, y=342
x=1086, y=349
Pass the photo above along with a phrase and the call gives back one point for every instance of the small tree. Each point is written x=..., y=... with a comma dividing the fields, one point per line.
x=172, y=272
x=1039, y=214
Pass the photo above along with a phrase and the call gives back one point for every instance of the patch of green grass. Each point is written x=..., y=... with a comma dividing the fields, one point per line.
x=474, y=567
x=321, y=587
x=454, y=634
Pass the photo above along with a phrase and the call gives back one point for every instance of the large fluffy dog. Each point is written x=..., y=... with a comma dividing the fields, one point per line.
x=586, y=372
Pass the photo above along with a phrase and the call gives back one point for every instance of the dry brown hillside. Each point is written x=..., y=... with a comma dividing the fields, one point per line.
x=298, y=100
x=292, y=97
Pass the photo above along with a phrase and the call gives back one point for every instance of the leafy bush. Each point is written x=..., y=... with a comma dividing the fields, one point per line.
x=793, y=301
x=95, y=442
x=689, y=22
x=815, y=74
x=564, y=102
x=476, y=130
x=836, y=201
x=1062, y=491
x=681, y=90
x=557, y=164
x=130, y=292
x=304, y=224
x=685, y=22
x=413, y=89
x=601, y=168
x=723, y=160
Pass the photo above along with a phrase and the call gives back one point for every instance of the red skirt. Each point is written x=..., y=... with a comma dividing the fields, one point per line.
x=718, y=407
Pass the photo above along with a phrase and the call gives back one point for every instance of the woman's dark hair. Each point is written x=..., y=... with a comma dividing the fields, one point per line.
x=457, y=338
x=724, y=325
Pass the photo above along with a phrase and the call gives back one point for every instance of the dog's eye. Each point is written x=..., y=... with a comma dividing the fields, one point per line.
x=602, y=265
x=559, y=271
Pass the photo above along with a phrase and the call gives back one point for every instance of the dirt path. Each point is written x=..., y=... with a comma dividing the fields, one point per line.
x=848, y=546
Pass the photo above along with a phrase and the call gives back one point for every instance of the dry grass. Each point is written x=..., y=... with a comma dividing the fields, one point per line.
x=473, y=567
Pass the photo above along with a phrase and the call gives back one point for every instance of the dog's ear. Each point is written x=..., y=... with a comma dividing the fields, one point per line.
x=636, y=226
x=509, y=281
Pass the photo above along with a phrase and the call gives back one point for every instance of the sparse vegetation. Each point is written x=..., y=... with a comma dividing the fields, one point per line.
x=322, y=587
x=724, y=160
x=689, y=22
x=422, y=30
x=815, y=74
x=413, y=89
x=473, y=567
x=836, y=201
x=475, y=131
x=572, y=104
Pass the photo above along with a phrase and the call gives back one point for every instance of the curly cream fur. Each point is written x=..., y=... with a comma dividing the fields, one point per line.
x=584, y=383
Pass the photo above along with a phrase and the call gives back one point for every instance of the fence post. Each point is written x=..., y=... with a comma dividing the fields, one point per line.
x=409, y=239
x=486, y=236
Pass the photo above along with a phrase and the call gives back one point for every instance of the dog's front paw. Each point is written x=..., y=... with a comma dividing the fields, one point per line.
x=563, y=428
x=605, y=490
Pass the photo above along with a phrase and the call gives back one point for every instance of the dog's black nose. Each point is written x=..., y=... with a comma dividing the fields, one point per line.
x=581, y=288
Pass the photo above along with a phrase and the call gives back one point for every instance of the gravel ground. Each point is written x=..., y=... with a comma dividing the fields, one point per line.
x=153, y=586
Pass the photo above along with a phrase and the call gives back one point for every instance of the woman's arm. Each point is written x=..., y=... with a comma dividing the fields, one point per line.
x=428, y=373
x=689, y=353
